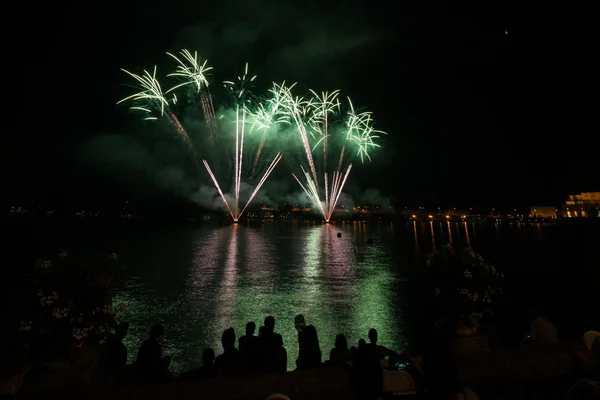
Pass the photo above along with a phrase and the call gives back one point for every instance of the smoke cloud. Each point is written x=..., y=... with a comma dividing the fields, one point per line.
x=283, y=41
x=166, y=167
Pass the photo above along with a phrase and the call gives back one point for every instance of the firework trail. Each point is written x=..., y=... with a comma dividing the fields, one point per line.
x=196, y=74
x=266, y=116
x=240, y=127
x=359, y=132
x=295, y=110
x=308, y=116
x=151, y=101
x=241, y=88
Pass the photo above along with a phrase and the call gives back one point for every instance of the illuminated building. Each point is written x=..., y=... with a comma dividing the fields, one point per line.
x=584, y=204
x=542, y=211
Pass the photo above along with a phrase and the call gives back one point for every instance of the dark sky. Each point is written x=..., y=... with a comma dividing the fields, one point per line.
x=475, y=116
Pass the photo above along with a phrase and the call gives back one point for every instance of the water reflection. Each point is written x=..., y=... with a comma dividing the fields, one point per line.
x=417, y=253
x=227, y=297
x=200, y=282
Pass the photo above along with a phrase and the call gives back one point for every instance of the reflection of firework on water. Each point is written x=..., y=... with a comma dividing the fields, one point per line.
x=308, y=117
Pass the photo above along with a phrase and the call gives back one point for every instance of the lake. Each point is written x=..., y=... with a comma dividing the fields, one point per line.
x=201, y=279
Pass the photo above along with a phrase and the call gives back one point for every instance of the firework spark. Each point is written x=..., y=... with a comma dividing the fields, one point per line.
x=241, y=88
x=359, y=132
x=266, y=116
x=240, y=129
x=309, y=117
x=194, y=73
x=151, y=101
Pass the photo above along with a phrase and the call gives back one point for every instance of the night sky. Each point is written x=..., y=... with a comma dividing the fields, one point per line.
x=481, y=111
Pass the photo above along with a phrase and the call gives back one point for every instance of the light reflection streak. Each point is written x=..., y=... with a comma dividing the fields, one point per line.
x=374, y=304
x=432, y=234
x=243, y=273
x=339, y=256
x=467, y=233
x=449, y=232
x=417, y=248
x=229, y=282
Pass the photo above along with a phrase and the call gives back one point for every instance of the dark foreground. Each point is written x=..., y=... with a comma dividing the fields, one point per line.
x=504, y=373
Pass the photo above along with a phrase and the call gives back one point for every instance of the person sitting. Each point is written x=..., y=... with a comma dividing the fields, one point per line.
x=150, y=363
x=231, y=362
x=309, y=354
x=207, y=370
x=380, y=351
x=340, y=353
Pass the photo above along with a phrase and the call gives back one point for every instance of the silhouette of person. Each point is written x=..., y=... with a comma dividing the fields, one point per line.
x=117, y=351
x=249, y=346
x=309, y=354
x=274, y=355
x=150, y=363
x=231, y=362
x=380, y=351
x=340, y=353
x=366, y=371
x=248, y=342
x=207, y=370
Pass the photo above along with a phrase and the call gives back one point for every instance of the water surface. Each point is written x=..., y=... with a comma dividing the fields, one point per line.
x=200, y=281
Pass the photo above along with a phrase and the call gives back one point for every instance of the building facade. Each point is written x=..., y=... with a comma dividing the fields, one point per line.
x=586, y=204
x=542, y=212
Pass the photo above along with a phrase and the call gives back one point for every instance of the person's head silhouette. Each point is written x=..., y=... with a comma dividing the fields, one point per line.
x=208, y=356
x=270, y=323
x=373, y=335
x=299, y=322
x=341, y=342
x=228, y=339
x=250, y=328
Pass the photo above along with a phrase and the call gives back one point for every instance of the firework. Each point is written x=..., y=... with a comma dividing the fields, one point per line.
x=318, y=120
x=152, y=102
x=265, y=116
x=357, y=130
x=240, y=128
x=193, y=73
x=241, y=88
